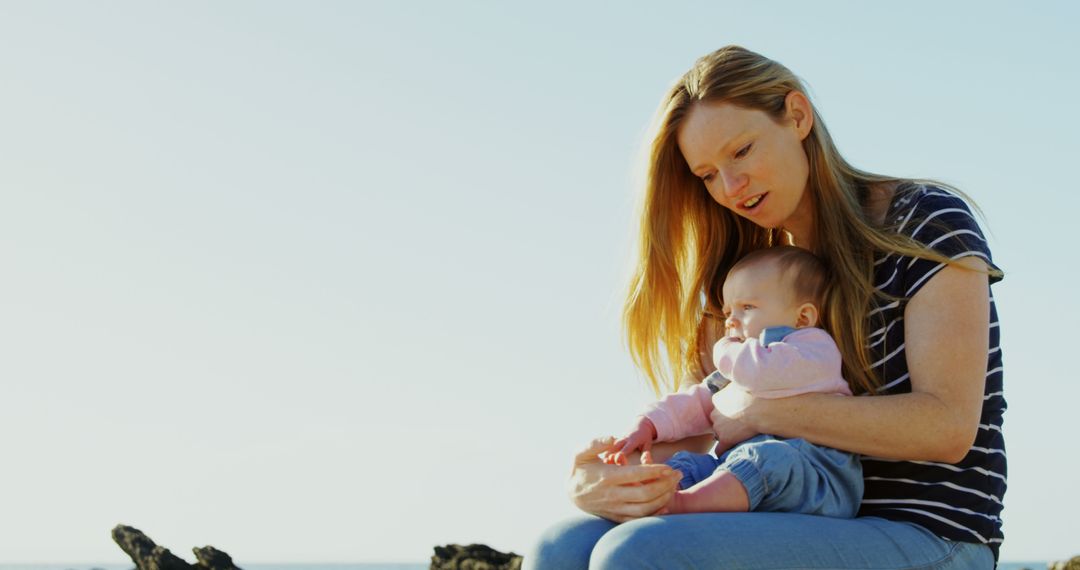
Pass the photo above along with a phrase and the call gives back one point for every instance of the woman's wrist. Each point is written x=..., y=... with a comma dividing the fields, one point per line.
x=782, y=417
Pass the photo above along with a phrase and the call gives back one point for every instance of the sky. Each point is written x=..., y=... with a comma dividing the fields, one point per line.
x=341, y=281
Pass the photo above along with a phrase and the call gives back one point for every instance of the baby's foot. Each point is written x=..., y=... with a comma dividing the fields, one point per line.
x=721, y=492
x=679, y=503
x=676, y=504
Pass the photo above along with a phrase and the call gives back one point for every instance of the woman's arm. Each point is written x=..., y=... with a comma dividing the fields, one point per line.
x=946, y=338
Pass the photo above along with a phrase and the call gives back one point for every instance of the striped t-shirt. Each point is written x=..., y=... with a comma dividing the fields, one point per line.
x=960, y=501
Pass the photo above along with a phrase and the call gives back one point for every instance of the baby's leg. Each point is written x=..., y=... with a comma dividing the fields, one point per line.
x=695, y=467
x=724, y=488
x=721, y=492
x=705, y=486
x=778, y=475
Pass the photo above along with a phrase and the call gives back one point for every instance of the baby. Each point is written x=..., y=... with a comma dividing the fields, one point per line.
x=772, y=300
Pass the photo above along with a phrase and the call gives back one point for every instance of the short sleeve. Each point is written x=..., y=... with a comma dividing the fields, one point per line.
x=945, y=223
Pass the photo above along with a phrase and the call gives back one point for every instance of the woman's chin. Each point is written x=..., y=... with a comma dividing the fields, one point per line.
x=764, y=223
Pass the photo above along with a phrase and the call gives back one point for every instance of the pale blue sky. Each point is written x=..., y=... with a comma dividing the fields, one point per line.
x=332, y=281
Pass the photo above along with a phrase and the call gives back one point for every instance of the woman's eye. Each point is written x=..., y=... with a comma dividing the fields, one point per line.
x=742, y=151
x=708, y=177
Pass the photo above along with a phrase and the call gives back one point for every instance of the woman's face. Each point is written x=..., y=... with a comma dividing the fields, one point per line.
x=749, y=163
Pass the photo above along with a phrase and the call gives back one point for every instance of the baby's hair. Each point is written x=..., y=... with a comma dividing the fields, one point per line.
x=803, y=271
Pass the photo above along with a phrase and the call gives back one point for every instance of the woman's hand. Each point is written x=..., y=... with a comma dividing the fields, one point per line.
x=731, y=417
x=619, y=493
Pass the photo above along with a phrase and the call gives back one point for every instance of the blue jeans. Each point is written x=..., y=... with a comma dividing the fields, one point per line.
x=784, y=475
x=756, y=540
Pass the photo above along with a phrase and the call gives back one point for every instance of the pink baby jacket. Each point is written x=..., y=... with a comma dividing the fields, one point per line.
x=806, y=360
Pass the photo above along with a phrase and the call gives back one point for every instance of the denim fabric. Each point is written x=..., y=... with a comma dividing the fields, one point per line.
x=784, y=475
x=750, y=541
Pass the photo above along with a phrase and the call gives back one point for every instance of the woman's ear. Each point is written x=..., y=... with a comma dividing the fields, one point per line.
x=808, y=316
x=799, y=112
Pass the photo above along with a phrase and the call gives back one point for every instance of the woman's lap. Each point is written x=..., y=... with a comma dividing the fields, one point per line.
x=759, y=541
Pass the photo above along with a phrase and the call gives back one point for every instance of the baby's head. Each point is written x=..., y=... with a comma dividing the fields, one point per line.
x=773, y=287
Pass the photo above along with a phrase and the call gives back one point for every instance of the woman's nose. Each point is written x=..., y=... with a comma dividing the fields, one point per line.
x=733, y=182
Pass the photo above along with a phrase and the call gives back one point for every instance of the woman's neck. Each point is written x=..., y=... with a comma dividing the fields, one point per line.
x=793, y=238
x=799, y=228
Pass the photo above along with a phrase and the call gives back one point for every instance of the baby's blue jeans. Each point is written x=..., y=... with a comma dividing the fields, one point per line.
x=784, y=475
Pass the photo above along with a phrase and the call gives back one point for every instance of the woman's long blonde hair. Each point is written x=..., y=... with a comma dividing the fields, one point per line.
x=688, y=242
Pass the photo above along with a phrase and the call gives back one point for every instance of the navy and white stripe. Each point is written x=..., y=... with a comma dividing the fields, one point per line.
x=962, y=501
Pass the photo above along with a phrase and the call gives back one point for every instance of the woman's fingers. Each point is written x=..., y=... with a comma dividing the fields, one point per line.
x=637, y=474
x=592, y=452
x=729, y=406
x=643, y=500
x=653, y=507
x=618, y=493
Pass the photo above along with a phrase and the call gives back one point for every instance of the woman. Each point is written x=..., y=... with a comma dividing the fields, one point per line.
x=740, y=161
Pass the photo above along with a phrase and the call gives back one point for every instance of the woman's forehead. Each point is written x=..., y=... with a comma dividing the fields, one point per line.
x=712, y=127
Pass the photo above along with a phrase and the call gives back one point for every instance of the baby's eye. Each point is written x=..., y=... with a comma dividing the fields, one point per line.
x=747, y=307
x=743, y=151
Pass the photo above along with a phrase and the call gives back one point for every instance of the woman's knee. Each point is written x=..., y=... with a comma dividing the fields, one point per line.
x=566, y=544
x=637, y=544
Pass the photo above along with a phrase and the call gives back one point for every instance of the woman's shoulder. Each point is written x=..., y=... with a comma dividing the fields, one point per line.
x=938, y=218
x=914, y=205
x=890, y=201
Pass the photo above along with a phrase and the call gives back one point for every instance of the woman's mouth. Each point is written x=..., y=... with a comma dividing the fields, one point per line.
x=753, y=203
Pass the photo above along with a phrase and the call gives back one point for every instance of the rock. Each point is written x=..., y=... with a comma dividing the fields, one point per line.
x=149, y=556
x=144, y=553
x=210, y=557
x=473, y=557
x=1070, y=564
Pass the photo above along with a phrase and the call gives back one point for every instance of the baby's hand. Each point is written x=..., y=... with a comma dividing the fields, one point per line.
x=641, y=438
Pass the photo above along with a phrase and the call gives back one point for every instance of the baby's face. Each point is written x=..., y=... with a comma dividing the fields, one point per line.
x=756, y=298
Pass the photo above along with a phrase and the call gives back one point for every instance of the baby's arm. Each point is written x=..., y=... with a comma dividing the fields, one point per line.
x=675, y=417
x=682, y=414
x=806, y=361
